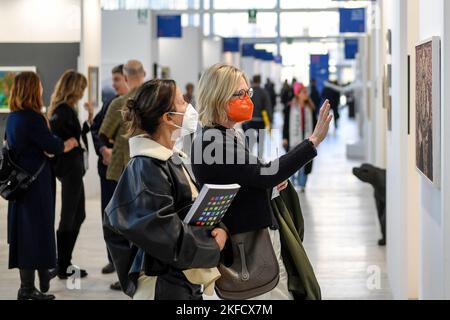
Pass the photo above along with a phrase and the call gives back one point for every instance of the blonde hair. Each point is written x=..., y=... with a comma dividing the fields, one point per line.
x=215, y=89
x=69, y=89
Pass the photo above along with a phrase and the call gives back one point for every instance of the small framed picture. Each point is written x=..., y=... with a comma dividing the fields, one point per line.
x=428, y=110
x=93, y=85
x=7, y=75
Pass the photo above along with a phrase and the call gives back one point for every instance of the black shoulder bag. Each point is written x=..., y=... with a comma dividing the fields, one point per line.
x=14, y=180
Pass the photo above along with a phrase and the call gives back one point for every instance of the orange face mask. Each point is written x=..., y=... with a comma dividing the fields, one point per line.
x=240, y=110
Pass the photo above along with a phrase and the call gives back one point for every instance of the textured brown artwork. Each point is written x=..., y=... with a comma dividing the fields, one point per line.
x=424, y=109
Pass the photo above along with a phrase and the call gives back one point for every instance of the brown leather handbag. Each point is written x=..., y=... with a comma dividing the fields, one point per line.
x=250, y=268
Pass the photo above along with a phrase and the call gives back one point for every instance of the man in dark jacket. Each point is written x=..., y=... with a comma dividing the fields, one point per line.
x=286, y=95
x=270, y=89
x=261, y=102
x=104, y=152
x=334, y=97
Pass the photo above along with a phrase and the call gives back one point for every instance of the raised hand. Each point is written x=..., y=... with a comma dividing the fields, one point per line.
x=323, y=124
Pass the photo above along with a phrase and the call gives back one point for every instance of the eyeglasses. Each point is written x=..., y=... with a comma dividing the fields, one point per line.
x=242, y=93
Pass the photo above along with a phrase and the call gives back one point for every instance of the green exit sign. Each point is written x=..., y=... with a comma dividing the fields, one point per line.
x=252, y=15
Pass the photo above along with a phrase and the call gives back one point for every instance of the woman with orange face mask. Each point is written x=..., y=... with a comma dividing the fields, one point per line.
x=220, y=156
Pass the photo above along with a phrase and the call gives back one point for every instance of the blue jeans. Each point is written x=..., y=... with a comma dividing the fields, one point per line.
x=300, y=178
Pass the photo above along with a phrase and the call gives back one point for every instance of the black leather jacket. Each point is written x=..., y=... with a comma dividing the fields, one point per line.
x=145, y=215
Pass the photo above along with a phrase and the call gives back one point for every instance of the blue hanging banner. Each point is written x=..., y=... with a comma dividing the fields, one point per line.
x=278, y=59
x=248, y=50
x=268, y=56
x=319, y=69
x=231, y=44
x=260, y=54
x=352, y=20
x=351, y=48
x=169, y=26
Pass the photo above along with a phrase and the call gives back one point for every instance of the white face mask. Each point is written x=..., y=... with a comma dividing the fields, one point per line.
x=190, y=121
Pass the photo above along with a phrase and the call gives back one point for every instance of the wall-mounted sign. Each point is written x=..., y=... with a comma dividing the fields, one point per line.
x=319, y=69
x=278, y=59
x=169, y=26
x=252, y=15
x=351, y=48
x=248, y=50
x=352, y=20
x=231, y=44
x=260, y=54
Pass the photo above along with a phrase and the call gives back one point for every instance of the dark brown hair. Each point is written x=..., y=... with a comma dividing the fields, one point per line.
x=152, y=100
x=118, y=69
x=26, y=93
x=69, y=89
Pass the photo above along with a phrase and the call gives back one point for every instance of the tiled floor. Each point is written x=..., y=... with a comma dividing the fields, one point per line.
x=341, y=235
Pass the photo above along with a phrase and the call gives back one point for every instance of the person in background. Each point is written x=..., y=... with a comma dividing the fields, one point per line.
x=314, y=94
x=31, y=217
x=334, y=96
x=104, y=152
x=189, y=95
x=69, y=167
x=270, y=89
x=261, y=102
x=299, y=124
x=286, y=95
x=113, y=126
x=151, y=201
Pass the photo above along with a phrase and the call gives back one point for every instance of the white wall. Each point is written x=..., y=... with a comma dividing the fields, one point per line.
x=248, y=66
x=212, y=52
x=124, y=37
x=232, y=58
x=446, y=146
x=40, y=21
x=431, y=199
x=402, y=184
x=378, y=123
x=90, y=55
x=183, y=56
x=418, y=213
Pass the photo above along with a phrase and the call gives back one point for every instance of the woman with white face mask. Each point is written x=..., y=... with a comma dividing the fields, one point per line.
x=157, y=251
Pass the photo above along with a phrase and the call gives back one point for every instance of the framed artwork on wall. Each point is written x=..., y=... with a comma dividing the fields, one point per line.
x=428, y=110
x=7, y=75
x=93, y=85
x=387, y=94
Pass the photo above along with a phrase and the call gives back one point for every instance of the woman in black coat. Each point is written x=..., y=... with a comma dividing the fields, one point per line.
x=220, y=156
x=31, y=217
x=70, y=167
x=149, y=243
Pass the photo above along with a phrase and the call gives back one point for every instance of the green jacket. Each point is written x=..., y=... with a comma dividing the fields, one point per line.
x=114, y=128
x=302, y=281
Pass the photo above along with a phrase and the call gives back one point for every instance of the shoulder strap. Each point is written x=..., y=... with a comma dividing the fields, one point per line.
x=34, y=176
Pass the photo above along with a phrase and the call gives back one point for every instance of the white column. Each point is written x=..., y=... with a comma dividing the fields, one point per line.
x=378, y=124
x=212, y=52
x=232, y=58
x=396, y=175
x=90, y=55
x=402, y=187
x=248, y=66
x=257, y=66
